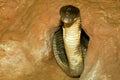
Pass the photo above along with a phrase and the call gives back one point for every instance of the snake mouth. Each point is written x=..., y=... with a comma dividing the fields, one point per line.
x=68, y=20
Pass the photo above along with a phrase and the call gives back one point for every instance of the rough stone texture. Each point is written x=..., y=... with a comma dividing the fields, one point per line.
x=101, y=20
x=27, y=28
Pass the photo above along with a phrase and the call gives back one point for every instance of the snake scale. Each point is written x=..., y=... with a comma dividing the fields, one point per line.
x=70, y=42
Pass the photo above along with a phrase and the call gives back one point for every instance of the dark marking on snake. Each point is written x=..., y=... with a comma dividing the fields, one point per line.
x=70, y=42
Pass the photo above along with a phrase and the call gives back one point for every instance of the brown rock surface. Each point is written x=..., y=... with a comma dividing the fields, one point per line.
x=27, y=28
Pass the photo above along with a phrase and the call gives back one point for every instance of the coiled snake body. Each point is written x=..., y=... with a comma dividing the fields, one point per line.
x=68, y=44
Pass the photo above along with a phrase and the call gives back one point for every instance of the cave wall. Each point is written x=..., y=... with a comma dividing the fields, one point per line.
x=26, y=32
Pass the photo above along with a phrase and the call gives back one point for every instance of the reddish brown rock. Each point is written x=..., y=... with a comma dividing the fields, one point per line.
x=101, y=22
x=27, y=28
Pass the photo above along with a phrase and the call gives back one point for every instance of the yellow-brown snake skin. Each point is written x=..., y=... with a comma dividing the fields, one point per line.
x=69, y=42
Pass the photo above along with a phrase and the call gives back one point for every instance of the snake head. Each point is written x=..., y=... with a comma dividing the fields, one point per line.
x=69, y=13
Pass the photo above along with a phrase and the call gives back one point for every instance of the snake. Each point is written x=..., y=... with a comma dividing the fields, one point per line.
x=70, y=42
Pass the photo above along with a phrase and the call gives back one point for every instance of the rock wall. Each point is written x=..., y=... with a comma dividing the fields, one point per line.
x=26, y=32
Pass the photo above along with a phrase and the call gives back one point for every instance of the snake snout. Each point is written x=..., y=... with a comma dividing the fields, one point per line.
x=66, y=19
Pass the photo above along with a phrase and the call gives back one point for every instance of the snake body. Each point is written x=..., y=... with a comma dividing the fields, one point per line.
x=68, y=44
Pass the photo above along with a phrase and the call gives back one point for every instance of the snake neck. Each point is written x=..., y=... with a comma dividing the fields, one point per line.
x=71, y=32
x=71, y=37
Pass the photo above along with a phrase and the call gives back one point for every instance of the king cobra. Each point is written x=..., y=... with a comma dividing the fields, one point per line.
x=68, y=44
